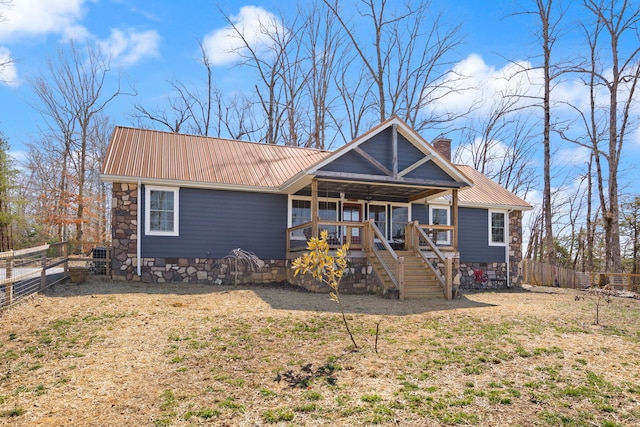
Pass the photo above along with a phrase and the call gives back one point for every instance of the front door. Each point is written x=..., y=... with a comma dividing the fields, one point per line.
x=352, y=212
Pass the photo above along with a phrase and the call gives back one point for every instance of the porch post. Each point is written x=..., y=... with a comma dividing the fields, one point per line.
x=314, y=207
x=454, y=218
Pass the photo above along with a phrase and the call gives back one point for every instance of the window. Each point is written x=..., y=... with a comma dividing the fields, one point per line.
x=399, y=219
x=161, y=211
x=378, y=213
x=328, y=211
x=497, y=228
x=439, y=215
x=300, y=213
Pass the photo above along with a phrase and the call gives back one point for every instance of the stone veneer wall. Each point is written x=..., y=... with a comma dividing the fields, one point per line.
x=359, y=279
x=227, y=271
x=497, y=271
x=124, y=231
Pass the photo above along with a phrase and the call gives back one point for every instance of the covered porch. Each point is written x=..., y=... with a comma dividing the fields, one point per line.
x=412, y=247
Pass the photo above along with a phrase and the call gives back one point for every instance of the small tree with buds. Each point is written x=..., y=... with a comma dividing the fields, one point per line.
x=327, y=268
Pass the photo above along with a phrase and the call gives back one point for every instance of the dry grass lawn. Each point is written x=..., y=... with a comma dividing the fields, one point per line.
x=125, y=354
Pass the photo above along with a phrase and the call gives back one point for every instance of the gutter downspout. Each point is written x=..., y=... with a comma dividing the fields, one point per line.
x=139, y=232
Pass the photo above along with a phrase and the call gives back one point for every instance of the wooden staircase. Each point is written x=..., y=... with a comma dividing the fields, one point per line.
x=419, y=279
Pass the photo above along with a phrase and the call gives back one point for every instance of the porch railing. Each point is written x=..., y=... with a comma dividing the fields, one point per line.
x=377, y=245
x=338, y=232
x=442, y=236
x=422, y=244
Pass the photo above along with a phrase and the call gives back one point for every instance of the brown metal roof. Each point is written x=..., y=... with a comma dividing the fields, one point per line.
x=486, y=192
x=164, y=156
x=152, y=155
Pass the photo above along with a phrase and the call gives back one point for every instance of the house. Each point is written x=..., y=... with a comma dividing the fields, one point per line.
x=199, y=209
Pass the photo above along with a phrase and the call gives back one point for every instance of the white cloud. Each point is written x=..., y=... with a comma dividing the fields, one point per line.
x=474, y=83
x=223, y=46
x=8, y=72
x=573, y=155
x=76, y=33
x=38, y=17
x=129, y=47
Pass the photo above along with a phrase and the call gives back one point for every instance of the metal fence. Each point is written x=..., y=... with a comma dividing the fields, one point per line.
x=28, y=271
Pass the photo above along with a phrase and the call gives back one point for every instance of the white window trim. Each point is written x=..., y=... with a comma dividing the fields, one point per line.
x=506, y=218
x=386, y=214
x=307, y=198
x=147, y=209
x=445, y=208
x=398, y=205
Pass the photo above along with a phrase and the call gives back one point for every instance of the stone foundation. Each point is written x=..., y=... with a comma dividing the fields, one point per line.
x=496, y=274
x=226, y=271
x=359, y=278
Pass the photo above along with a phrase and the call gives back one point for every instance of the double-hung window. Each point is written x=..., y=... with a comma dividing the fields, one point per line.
x=161, y=211
x=497, y=228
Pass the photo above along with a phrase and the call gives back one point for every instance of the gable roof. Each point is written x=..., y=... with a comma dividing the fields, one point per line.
x=163, y=157
x=158, y=157
x=414, y=138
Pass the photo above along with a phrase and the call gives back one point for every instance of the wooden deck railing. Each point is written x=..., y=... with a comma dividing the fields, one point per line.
x=376, y=244
x=442, y=236
x=339, y=233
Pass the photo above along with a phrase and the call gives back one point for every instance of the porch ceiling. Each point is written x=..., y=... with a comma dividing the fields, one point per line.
x=372, y=191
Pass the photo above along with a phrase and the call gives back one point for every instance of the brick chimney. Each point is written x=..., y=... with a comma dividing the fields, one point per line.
x=443, y=146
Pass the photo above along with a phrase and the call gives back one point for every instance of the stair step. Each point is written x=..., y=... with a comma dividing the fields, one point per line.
x=419, y=280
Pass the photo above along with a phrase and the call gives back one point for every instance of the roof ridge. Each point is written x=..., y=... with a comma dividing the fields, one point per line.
x=190, y=135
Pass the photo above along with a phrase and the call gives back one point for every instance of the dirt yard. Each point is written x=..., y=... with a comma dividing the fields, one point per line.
x=124, y=354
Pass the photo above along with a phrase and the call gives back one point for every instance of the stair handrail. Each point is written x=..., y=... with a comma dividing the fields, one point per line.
x=398, y=281
x=446, y=279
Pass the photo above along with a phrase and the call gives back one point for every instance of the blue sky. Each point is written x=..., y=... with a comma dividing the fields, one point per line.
x=155, y=41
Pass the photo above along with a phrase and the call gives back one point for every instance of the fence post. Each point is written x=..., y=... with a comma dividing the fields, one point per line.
x=449, y=280
x=43, y=273
x=108, y=261
x=8, y=292
x=401, y=276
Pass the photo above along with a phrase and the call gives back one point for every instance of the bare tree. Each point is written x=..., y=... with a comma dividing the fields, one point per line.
x=188, y=109
x=410, y=62
x=73, y=94
x=322, y=41
x=620, y=80
x=613, y=74
x=5, y=61
x=275, y=58
x=500, y=143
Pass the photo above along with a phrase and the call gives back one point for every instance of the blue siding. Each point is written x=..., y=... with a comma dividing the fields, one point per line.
x=380, y=148
x=428, y=171
x=213, y=223
x=473, y=237
x=352, y=162
x=420, y=213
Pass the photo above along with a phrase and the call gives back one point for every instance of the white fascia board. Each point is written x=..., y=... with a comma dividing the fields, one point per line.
x=189, y=184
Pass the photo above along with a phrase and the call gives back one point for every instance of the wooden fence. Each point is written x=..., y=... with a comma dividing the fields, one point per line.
x=540, y=274
x=27, y=271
